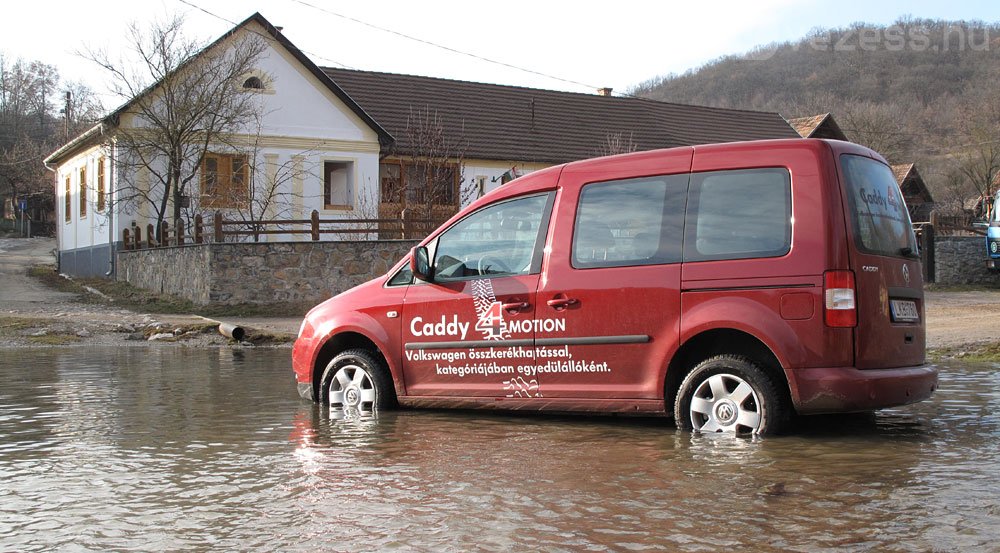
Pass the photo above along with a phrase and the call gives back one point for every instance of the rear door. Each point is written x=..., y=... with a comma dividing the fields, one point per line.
x=888, y=274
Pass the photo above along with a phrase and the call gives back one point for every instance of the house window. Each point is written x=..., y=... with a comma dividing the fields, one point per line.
x=224, y=181
x=414, y=183
x=69, y=201
x=338, y=185
x=100, y=184
x=253, y=83
x=390, y=182
x=83, y=192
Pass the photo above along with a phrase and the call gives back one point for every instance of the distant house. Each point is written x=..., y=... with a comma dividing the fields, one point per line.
x=349, y=135
x=818, y=126
x=915, y=193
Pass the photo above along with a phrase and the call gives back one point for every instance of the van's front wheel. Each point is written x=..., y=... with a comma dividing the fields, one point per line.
x=729, y=393
x=357, y=381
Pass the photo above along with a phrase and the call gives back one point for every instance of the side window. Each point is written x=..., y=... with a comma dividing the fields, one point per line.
x=630, y=222
x=738, y=215
x=403, y=277
x=501, y=239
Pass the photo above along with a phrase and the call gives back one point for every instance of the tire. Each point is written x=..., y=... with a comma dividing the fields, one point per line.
x=356, y=380
x=730, y=393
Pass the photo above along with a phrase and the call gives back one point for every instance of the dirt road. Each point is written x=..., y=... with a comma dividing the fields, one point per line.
x=24, y=298
x=954, y=319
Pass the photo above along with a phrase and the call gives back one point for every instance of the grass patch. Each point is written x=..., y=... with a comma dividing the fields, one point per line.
x=129, y=297
x=53, y=339
x=269, y=339
x=20, y=328
x=978, y=353
x=15, y=326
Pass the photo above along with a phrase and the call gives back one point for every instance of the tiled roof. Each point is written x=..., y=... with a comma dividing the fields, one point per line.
x=817, y=126
x=806, y=125
x=513, y=123
x=901, y=172
x=911, y=183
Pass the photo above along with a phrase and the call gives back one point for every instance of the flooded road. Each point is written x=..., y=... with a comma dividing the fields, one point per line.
x=151, y=449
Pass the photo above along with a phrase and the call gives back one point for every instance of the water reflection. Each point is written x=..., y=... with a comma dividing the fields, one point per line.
x=172, y=448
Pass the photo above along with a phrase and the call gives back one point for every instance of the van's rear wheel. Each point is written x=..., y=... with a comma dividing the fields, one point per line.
x=357, y=381
x=729, y=393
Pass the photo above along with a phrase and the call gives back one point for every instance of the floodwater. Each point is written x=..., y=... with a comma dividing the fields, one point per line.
x=151, y=449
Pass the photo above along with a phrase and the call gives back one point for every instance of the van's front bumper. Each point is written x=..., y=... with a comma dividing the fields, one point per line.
x=847, y=389
x=303, y=356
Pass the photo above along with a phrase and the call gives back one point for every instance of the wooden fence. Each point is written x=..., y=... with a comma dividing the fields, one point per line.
x=218, y=229
x=956, y=225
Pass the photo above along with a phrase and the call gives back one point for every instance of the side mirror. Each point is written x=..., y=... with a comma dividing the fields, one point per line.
x=420, y=264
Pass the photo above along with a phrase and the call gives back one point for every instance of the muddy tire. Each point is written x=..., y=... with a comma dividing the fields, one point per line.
x=729, y=393
x=357, y=380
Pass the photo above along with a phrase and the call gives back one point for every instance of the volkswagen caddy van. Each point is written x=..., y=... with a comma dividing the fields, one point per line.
x=730, y=286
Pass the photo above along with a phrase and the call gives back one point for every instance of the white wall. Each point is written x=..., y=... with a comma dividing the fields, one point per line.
x=93, y=228
x=304, y=125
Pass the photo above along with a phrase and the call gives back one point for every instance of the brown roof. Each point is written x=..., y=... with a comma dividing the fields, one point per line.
x=911, y=183
x=533, y=125
x=901, y=172
x=817, y=126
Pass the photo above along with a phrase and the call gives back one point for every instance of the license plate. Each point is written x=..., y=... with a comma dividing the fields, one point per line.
x=904, y=311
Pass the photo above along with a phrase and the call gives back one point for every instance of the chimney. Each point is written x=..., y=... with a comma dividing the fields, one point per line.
x=606, y=91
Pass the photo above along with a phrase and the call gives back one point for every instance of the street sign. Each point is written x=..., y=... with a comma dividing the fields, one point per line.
x=23, y=204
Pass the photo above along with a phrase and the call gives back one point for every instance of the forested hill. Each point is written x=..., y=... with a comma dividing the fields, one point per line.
x=917, y=90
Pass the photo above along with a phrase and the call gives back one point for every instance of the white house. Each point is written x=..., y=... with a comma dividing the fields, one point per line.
x=344, y=140
x=311, y=131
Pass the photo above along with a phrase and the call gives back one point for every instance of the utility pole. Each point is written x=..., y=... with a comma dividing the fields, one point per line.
x=68, y=114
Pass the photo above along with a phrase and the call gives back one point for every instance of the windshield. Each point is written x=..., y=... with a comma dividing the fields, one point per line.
x=996, y=213
x=880, y=218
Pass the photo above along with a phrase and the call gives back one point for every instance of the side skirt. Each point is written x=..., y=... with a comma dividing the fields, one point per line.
x=644, y=407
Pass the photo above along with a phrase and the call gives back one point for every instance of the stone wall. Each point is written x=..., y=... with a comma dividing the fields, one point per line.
x=180, y=271
x=263, y=273
x=310, y=272
x=962, y=260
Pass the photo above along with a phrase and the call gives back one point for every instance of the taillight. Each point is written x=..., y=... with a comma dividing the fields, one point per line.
x=840, y=307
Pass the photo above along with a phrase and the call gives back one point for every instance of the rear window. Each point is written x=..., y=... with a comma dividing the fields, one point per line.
x=878, y=212
x=739, y=215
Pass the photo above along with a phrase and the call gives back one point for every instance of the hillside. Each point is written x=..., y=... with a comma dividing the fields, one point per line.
x=918, y=91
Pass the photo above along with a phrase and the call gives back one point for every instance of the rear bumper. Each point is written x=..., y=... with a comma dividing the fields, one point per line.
x=847, y=389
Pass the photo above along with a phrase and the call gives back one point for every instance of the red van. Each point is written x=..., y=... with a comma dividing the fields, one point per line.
x=728, y=285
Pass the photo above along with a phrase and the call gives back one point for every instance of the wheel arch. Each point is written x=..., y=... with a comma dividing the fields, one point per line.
x=722, y=341
x=339, y=342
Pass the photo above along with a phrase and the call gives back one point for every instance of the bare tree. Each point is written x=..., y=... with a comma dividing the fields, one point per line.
x=269, y=194
x=978, y=161
x=181, y=101
x=617, y=143
x=431, y=180
x=30, y=128
x=881, y=127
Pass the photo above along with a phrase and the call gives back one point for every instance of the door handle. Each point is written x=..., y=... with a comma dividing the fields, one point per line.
x=515, y=306
x=561, y=302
